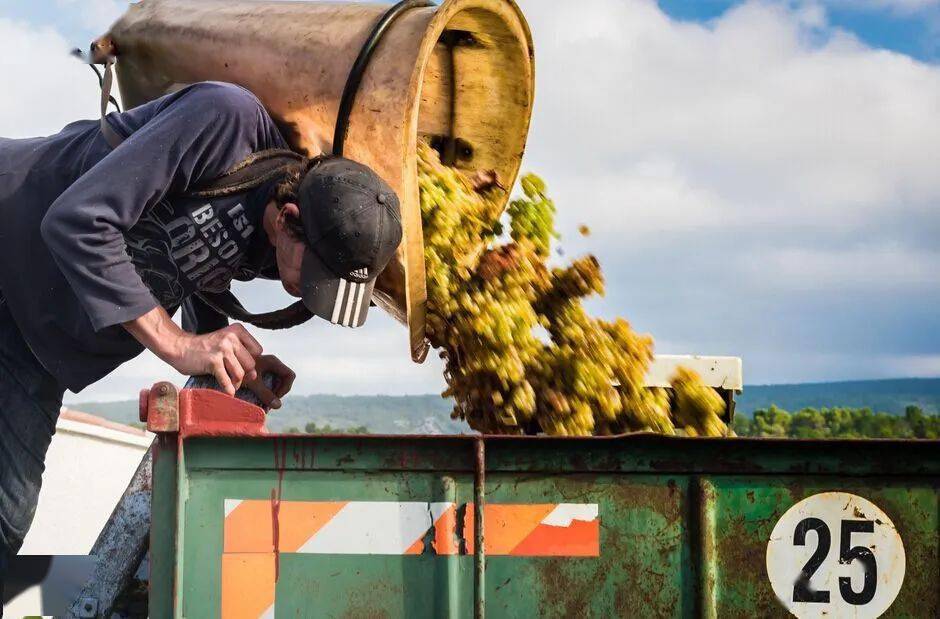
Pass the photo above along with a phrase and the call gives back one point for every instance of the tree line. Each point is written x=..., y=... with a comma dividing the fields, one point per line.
x=838, y=423
x=313, y=428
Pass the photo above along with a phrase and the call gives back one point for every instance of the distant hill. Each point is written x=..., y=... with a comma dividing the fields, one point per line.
x=430, y=414
x=886, y=396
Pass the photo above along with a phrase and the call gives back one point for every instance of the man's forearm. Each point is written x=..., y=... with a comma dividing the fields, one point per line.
x=228, y=354
x=157, y=332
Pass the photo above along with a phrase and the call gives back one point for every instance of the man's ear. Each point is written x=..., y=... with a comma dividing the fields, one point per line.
x=290, y=210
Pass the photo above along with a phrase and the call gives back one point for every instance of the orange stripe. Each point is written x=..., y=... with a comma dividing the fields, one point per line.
x=248, y=528
x=416, y=548
x=300, y=520
x=445, y=533
x=511, y=529
x=579, y=539
x=247, y=585
x=506, y=525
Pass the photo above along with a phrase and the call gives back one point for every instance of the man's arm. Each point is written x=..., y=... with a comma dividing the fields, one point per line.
x=228, y=354
x=202, y=133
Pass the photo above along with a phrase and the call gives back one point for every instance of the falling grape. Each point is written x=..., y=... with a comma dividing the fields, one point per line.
x=521, y=354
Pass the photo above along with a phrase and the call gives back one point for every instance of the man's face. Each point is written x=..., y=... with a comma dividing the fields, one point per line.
x=290, y=251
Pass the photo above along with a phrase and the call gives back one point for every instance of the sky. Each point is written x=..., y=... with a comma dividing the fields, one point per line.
x=760, y=178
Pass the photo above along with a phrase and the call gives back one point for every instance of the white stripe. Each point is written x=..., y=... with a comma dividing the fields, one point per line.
x=375, y=528
x=349, y=303
x=268, y=614
x=359, y=295
x=230, y=505
x=338, y=305
x=565, y=513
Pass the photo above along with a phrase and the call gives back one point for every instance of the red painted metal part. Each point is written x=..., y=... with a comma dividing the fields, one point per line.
x=204, y=412
x=198, y=412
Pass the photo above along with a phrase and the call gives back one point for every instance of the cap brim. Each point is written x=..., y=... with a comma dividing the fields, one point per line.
x=341, y=301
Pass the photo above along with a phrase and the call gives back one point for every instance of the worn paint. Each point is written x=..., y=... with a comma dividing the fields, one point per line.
x=404, y=528
x=683, y=524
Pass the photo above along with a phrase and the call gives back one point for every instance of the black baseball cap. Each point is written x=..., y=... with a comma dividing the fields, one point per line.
x=352, y=221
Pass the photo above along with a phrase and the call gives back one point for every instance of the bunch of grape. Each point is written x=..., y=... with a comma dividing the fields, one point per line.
x=521, y=354
x=698, y=408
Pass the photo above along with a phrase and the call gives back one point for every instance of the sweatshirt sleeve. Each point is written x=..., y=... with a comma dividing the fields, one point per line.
x=202, y=132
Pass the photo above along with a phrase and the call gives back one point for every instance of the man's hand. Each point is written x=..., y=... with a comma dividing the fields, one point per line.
x=284, y=380
x=228, y=354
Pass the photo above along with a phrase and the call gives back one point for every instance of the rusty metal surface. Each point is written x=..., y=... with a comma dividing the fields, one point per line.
x=162, y=412
x=683, y=536
x=638, y=526
x=479, y=552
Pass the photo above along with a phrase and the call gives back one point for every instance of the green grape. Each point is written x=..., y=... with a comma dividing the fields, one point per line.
x=697, y=406
x=488, y=301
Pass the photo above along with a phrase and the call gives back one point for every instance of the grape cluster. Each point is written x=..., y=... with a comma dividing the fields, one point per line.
x=521, y=354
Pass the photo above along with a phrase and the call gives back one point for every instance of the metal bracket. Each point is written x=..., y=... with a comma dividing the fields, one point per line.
x=160, y=407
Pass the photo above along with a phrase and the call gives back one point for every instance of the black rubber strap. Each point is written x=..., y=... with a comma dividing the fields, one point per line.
x=361, y=64
x=228, y=304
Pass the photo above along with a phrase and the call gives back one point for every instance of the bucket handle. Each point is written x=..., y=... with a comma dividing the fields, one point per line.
x=359, y=68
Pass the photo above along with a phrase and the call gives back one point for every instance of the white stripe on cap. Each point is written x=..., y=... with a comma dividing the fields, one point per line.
x=353, y=289
x=356, y=314
x=338, y=306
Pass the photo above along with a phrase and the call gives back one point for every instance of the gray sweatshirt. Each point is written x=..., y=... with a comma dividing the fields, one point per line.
x=91, y=238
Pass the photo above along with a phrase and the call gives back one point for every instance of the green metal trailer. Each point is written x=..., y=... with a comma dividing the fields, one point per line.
x=247, y=524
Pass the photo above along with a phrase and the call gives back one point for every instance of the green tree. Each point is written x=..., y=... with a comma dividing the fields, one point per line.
x=771, y=422
x=921, y=425
x=742, y=425
x=839, y=423
x=808, y=423
x=313, y=428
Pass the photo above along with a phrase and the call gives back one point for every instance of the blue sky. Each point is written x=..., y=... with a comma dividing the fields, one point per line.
x=912, y=28
x=760, y=178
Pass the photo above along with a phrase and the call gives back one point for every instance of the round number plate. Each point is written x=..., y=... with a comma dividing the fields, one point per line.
x=835, y=554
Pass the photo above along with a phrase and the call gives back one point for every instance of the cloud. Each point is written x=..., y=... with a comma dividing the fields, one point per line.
x=45, y=88
x=747, y=110
x=738, y=172
x=884, y=267
x=94, y=14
